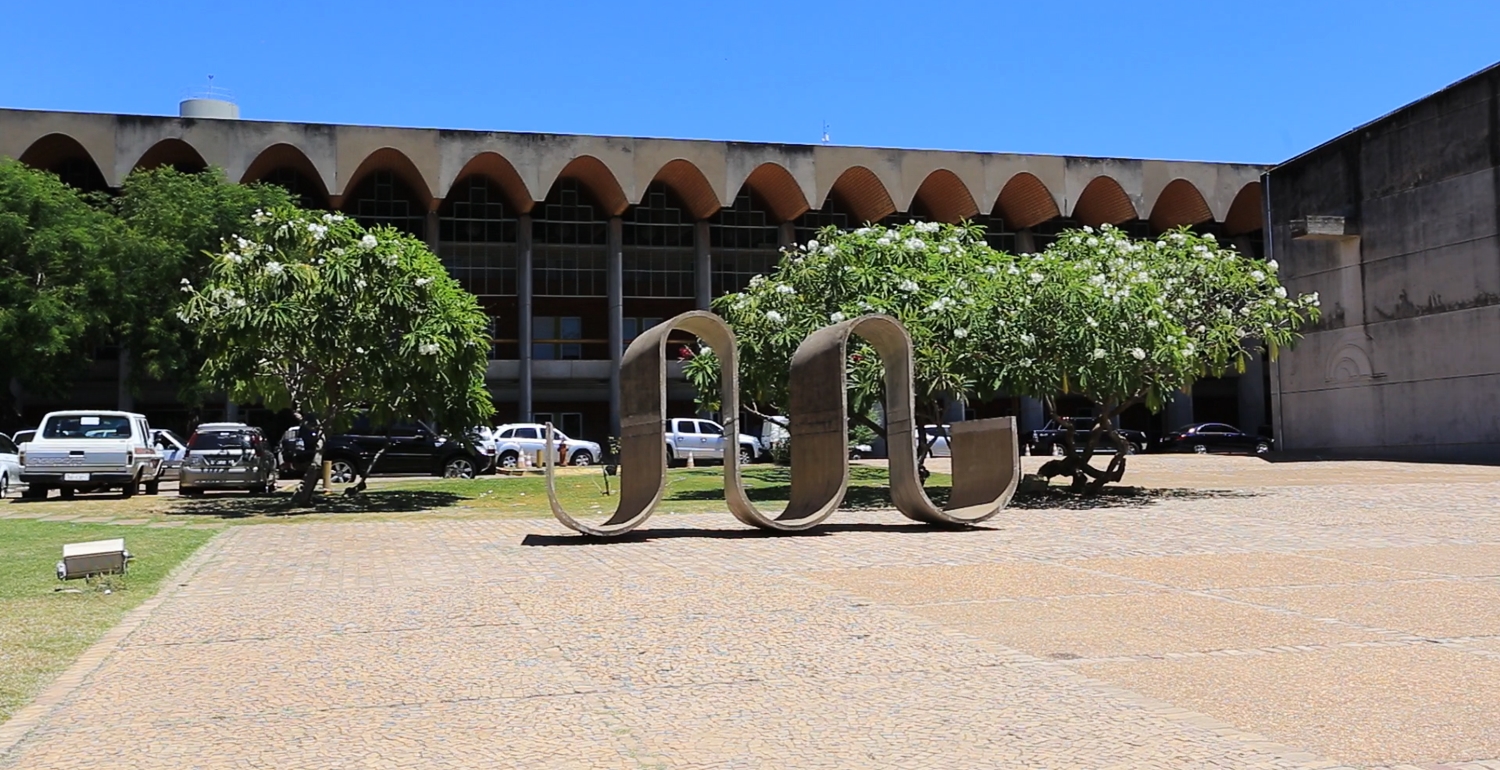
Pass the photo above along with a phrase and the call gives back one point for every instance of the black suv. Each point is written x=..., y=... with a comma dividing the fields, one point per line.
x=1049, y=440
x=411, y=449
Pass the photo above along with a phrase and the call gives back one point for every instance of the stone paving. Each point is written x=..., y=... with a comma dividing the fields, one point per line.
x=1291, y=627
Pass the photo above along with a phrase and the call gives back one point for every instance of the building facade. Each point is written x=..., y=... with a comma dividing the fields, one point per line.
x=1397, y=226
x=574, y=244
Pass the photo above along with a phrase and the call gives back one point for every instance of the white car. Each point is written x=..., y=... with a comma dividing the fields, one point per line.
x=173, y=449
x=86, y=451
x=10, y=465
x=939, y=440
x=704, y=440
x=513, y=441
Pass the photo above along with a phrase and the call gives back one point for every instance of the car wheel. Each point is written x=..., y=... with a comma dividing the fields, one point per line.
x=1057, y=450
x=189, y=492
x=582, y=458
x=1132, y=448
x=1262, y=447
x=66, y=493
x=153, y=487
x=4, y=484
x=510, y=460
x=1200, y=449
x=856, y=456
x=459, y=468
x=130, y=489
x=746, y=456
x=342, y=471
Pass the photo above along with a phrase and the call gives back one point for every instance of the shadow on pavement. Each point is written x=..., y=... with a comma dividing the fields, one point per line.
x=1060, y=499
x=670, y=533
x=379, y=501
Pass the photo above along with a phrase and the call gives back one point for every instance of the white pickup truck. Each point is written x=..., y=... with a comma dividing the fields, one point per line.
x=704, y=440
x=87, y=451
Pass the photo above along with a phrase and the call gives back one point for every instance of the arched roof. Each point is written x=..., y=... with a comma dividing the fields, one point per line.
x=1026, y=202
x=1179, y=204
x=392, y=160
x=171, y=152
x=282, y=155
x=691, y=187
x=862, y=192
x=497, y=169
x=593, y=175
x=1103, y=202
x=1245, y=214
x=776, y=186
x=54, y=151
x=945, y=197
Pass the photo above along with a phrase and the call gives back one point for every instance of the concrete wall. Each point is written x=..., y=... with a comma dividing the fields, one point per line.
x=1406, y=360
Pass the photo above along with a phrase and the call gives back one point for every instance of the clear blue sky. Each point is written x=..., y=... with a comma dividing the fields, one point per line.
x=1234, y=80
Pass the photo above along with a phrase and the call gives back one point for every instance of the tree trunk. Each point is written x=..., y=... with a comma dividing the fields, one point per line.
x=303, y=498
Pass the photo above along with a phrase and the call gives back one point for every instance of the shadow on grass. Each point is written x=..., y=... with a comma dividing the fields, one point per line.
x=379, y=501
x=671, y=533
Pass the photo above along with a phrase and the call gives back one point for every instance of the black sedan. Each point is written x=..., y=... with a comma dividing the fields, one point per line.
x=1212, y=437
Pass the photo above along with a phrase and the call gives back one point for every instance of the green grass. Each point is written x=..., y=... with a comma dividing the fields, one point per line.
x=42, y=629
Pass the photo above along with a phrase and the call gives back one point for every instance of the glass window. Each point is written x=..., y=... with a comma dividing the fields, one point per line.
x=658, y=247
x=383, y=199
x=685, y=426
x=6, y=447
x=225, y=439
x=551, y=338
x=477, y=237
x=508, y=433
x=527, y=433
x=569, y=244
x=87, y=426
x=704, y=426
x=744, y=243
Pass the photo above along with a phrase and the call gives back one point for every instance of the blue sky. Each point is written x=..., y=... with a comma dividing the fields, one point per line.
x=1232, y=80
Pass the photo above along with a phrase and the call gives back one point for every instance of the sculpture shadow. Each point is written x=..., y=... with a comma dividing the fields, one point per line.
x=382, y=501
x=1060, y=499
x=673, y=533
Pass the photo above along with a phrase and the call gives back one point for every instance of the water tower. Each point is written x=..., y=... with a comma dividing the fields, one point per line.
x=213, y=103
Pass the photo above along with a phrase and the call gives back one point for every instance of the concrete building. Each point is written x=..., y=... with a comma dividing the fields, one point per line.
x=1396, y=225
x=576, y=243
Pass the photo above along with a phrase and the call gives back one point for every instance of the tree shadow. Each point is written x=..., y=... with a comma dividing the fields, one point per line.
x=379, y=501
x=671, y=533
x=1060, y=499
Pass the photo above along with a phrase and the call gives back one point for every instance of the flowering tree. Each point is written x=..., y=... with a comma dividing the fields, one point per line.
x=1125, y=322
x=309, y=311
x=927, y=275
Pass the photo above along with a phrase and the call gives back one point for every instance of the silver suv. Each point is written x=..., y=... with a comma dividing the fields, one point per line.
x=227, y=455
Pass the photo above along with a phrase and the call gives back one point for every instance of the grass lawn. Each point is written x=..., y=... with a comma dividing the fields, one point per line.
x=42, y=629
x=689, y=490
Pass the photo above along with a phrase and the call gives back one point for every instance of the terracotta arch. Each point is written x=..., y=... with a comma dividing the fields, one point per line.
x=862, y=192
x=1104, y=202
x=1245, y=213
x=171, y=152
x=68, y=159
x=392, y=160
x=774, y=185
x=1026, y=202
x=594, y=176
x=945, y=197
x=498, y=170
x=285, y=156
x=1179, y=204
x=691, y=187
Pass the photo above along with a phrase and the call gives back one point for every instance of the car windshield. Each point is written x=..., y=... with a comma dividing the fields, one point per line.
x=87, y=426
x=227, y=439
x=1186, y=428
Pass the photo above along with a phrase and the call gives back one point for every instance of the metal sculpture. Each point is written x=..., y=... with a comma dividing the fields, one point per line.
x=986, y=460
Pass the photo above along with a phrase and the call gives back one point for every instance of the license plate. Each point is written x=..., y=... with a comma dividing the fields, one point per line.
x=75, y=477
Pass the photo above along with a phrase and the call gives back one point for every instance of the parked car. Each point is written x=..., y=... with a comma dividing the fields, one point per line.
x=514, y=440
x=860, y=451
x=227, y=455
x=939, y=440
x=1049, y=440
x=411, y=449
x=704, y=440
x=23, y=436
x=1213, y=437
x=10, y=464
x=172, y=449
x=86, y=451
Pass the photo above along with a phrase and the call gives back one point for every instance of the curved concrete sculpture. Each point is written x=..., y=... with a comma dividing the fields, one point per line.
x=986, y=461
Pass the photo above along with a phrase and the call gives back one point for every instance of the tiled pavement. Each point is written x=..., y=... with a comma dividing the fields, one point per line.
x=1297, y=627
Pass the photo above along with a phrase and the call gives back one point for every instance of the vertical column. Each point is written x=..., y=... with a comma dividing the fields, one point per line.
x=231, y=410
x=702, y=266
x=1179, y=411
x=788, y=234
x=615, y=286
x=124, y=399
x=431, y=228
x=1025, y=243
x=1033, y=411
x=523, y=311
x=1251, y=387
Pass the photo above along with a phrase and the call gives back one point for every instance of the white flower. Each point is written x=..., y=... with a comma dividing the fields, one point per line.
x=1092, y=242
x=1188, y=349
x=836, y=317
x=1313, y=298
x=1271, y=265
x=337, y=251
x=944, y=250
x=368, y=241
x=359, y=283
x=1088, y=229
x=1027, y=338
x=782, y=288
x=883, y=241
x=812, y=245
x=1099, y=353
x=423, y=282
x=908, y=286
x=1024, y=362
x=1201, y=249
x=927, y=227
x=260, y=217
x=961, y=333
x=829, y=251
x=359, y=350
x=237, y=302
x=1092, y=323
x=757, y=280
x=915, y=244
x=1281, y=292
x=317, y=230
x=1209, y=237
x=1151, y=323
x=273, y=268
x=428, y=348
x=1257, y=275
x=1140, y=355
x=234, y=258
x=863, y=231
x=774, y=317
x=1037, y=277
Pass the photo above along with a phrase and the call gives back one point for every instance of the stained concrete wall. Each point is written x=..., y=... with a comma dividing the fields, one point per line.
x=1406, y=360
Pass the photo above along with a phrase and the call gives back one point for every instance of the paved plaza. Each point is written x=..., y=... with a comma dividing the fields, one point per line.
x=1351, y=624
